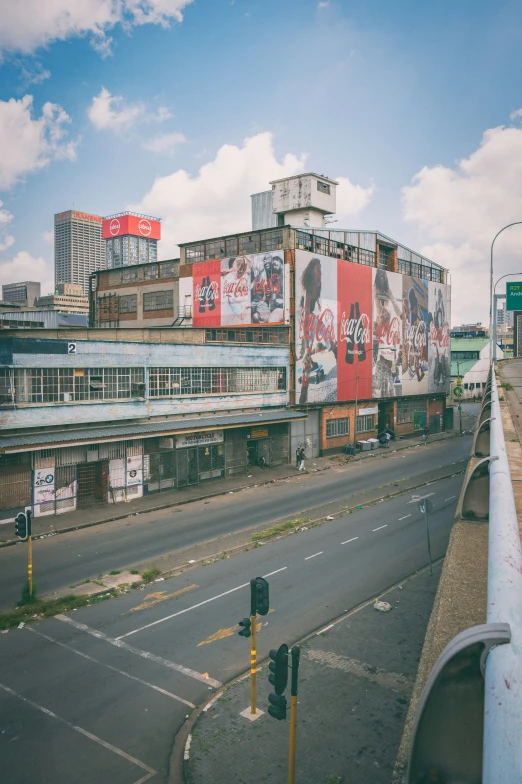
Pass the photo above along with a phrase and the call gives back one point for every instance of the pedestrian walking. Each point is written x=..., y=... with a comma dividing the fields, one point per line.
x=297, y=456
x=388, y=438
x=301, y=459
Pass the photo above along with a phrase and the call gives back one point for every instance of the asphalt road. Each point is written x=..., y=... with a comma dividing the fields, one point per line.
x=99, y=694
x=71, y=558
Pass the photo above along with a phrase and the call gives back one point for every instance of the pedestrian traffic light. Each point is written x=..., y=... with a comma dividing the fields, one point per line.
x=259, y=596
x=245, y=627
x=277, y=707
x=22, y=526
x=278, y=667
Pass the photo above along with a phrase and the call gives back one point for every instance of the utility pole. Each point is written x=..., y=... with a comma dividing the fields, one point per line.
x=425, y=506
x=296, y=653
x=460, y=404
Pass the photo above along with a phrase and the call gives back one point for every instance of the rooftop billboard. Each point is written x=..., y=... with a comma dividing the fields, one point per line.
x=136, y=225
x=362, y=332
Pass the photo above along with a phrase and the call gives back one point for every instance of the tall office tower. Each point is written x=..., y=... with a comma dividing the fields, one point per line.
x=78, y=247
x=130, y=239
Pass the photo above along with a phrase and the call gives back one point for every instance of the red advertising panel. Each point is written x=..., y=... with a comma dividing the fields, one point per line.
x=136, y=225
x=206, y=278
x=354, y=338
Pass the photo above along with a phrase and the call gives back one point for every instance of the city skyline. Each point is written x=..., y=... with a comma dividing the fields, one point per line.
x=87, y=123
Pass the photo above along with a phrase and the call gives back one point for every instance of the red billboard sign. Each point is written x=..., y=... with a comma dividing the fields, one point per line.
x=354, y=361
x=136, y=225
x=206, y=278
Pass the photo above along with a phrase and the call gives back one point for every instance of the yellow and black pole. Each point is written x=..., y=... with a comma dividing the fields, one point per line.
x=29, y=554
x=253, y=664
x=296, y=653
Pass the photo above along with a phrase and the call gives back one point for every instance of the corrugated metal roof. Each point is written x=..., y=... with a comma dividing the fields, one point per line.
x=468, y=344
x=110, y=433
x=463, y=366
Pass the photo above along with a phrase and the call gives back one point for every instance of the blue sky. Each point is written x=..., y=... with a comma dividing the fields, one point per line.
x=387, y=95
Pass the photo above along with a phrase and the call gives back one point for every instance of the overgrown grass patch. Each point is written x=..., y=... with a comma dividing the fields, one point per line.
x=44, y=608
x=268, y=533
x=150, y=575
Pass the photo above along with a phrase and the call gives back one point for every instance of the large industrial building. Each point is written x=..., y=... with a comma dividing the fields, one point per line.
x=246, y=347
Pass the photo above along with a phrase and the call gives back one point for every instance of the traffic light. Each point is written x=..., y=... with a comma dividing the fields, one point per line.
x=277, y=707
x=259, y=596
x=245, y=624
x=22, y=525
x=278, y=667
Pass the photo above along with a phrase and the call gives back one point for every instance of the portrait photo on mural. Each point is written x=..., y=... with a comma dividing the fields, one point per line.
x=414, y=335
x=387, y=333
x=439, y=358
x=239, y=291
x=316, y=328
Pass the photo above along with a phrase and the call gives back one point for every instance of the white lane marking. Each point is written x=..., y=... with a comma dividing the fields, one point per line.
x=110, y=667
x=144, y=654
x=313, y=556
x=350, y=540
x=151, y=772
x=186, y=753
x=450, y=498
x=404, y=518
x=379, y=528
x=276, y=571
x=322, y=631
x=193, y=607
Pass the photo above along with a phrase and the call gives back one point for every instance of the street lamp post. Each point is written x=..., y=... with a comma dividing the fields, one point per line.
x=507, y=275
x=460, y=404
x=515, y=223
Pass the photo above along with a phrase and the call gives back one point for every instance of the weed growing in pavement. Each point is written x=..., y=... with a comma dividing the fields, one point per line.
x=28, y=598
x=134, y=571
x=115, y=571
x=277, y=529
x=507, y=385
x=333, y=778
x=150, y=575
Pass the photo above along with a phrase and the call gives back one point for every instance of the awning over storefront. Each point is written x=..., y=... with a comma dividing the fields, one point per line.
x=54, y=439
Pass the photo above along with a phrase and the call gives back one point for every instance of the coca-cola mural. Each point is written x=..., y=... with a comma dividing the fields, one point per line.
x=387, y=334
x=414, y=335
x=206, y=282
x=316, y=328
x=438, y=337
x=354, y=365
x=250, y=289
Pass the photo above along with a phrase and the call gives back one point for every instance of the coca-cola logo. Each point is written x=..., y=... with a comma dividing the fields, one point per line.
x=416, y=335
x=319, y=328
x=440, y=336
x=208, y=292
x=389, y=333
x=237, y=289
x=264, y=287
x=356, y=330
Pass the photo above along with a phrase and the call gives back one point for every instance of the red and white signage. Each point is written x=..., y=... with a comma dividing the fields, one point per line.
x=136, y=225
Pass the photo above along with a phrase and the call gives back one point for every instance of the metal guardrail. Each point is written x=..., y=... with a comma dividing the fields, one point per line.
x=468, y=725
x=502, y=758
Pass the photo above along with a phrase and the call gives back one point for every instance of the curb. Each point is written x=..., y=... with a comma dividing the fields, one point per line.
x=183, y=739
x=184, y=502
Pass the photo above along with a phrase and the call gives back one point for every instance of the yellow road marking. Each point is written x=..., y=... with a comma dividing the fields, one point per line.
x=222, y=633
x=160, y=596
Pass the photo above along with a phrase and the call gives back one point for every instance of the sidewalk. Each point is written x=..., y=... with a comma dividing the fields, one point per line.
x=355, y=681
x=256, y=476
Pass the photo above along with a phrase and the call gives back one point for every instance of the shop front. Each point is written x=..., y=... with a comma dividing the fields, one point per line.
x=183, y=460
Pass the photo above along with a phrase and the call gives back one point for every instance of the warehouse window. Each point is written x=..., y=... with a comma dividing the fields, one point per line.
x=337, y=427
x=174, y=382
x=68, y=385
x=407, y=408
x=323, y=187
x=128, y=303
x=158, y=300
x=365, y=423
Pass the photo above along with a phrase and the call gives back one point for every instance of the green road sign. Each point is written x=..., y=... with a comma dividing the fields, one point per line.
x=457, y=391
x=514, y=295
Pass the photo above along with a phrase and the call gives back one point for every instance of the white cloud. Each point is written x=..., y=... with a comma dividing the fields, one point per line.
x=28, y=144
x=48, y=237
x=6, y=239
x=516, y=114
x=459, y=210
x=23, y=266
x=33, y=74
x=111, y=112
x=161, y=115
x=351, y=199
x=30, y=24
x=323, y=4
x=165, y=144
x=216, y=201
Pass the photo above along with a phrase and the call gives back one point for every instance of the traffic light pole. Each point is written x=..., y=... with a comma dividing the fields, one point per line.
x=253, y=665
x=293, y=714
x=30, y=563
